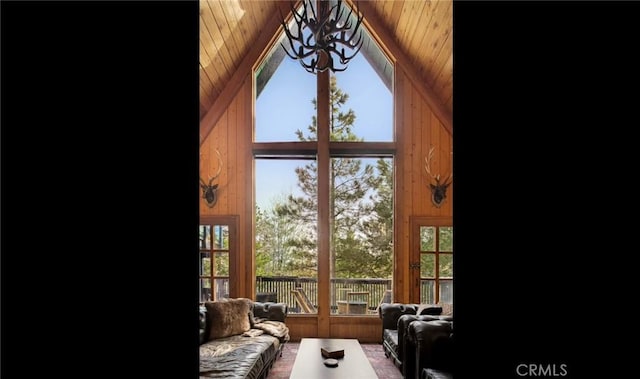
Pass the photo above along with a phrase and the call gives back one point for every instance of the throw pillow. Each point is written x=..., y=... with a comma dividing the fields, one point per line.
x=228, y=318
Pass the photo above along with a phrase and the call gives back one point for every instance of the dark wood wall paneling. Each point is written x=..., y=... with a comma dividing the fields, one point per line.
x=418, y=128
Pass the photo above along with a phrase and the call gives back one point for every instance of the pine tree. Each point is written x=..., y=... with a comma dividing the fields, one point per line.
x=361, y=211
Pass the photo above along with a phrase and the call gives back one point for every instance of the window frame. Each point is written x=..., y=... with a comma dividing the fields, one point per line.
x=322, y=151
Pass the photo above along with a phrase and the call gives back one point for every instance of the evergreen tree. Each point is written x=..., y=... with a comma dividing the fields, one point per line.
x=377, y=228
x=280, y=248
x=350, y=181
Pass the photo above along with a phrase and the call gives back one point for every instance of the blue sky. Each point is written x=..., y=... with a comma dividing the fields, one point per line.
x=285, y=105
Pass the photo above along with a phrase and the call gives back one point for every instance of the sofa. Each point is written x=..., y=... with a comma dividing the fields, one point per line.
x=396, y=319
x=241, y=338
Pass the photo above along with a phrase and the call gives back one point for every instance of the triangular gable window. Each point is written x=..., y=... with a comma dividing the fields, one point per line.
x=367, y=73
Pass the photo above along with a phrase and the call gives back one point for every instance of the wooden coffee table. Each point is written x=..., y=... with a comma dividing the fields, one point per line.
x=308, y=363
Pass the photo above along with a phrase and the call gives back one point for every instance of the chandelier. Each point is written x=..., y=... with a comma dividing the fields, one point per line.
x=326, y=35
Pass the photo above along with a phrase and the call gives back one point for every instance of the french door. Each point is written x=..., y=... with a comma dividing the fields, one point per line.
x=218, y=250
x=431, y=260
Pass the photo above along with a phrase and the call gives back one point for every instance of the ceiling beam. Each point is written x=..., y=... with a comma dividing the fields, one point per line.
x=378, y=30
x=245, y=68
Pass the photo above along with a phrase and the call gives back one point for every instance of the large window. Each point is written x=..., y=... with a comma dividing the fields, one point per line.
x=324, y=159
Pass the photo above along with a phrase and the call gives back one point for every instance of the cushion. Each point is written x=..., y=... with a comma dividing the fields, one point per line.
x=429, y=309
x=228, y=318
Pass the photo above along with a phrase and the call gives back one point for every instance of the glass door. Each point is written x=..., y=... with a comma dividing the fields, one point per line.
x=217, y=250
x=431, y=265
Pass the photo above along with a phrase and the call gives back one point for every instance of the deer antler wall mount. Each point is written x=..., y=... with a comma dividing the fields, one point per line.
x=439, y=189
x=210, y=190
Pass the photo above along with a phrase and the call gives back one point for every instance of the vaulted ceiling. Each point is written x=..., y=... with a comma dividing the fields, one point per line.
x=234, y=34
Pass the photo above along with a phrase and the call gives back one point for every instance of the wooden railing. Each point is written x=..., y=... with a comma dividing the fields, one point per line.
x=280, y=288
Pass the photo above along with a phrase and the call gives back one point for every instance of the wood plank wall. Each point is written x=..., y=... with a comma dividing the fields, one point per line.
x=418, y=129
x=232, y=136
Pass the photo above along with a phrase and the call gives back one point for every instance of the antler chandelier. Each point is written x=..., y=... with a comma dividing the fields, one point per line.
x=326, y=35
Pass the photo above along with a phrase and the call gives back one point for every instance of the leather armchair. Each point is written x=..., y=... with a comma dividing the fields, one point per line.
x=395, y=319
x=405, y=346
x=390, y=314
x=431, y=344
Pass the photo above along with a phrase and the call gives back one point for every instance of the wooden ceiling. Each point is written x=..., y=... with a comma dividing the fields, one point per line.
x=235, y=33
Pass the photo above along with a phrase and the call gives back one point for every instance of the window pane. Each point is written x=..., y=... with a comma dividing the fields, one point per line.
x=368, y=83
x=361, y=222
x=368, y=105
x=427, y=238
x=205, y=236
x=427, y=265
x=286, y=231
x=205, y=263
x=221, y=237
x=427, y=292
x=222, y=264
x=305, y=295
x=205, y=289
x=446, y=291
x=446, y=238
x=446, y=265
x=285, y=95
x=221, y=289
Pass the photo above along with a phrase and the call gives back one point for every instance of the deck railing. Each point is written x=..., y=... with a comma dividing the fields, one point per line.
x=280, y=287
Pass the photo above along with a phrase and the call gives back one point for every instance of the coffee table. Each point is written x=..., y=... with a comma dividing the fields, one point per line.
x=354, y=364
